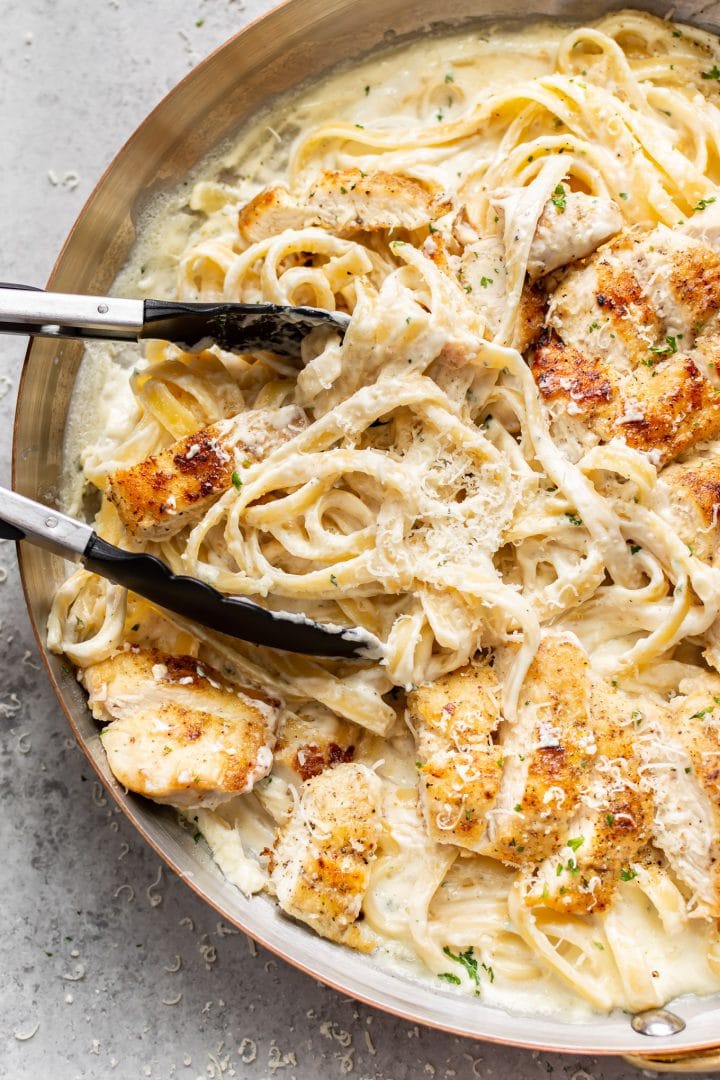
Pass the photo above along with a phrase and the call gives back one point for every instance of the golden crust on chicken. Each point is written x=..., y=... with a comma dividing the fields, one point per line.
x=629, y=342
x=320, y=864
x=177, y=732
x=454, y=719
x=347, y=202
x=168, y=491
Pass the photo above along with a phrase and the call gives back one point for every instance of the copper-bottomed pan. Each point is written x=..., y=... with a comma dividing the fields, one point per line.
x=297, y=41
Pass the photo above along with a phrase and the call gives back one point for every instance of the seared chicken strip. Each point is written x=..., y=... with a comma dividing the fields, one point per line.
x=571, y=226
x=345, y=202
x=631, y=339
x=694, y=493
x=173, y=489
x=544, y=755
x=680, y=748
x=320, y=865
x=453, y=720
x=612, y=820
x=176, y=733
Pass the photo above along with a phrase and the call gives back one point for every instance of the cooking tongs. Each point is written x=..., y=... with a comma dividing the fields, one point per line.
x=25, y=310
x=24, y=519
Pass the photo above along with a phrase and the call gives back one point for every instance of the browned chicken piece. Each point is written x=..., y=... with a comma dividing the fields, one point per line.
x=694, y=494
x=571, y=226
x=611, y=822
x=308, y=747
x=680, y=749
x=320, y=865
x=453, y=720
x=631, y=340
x=544, y=755
x=177, y=732
x=344, y=202
x=162, y=495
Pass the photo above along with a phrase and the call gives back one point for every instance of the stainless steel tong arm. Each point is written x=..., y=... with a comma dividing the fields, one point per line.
x=48, y=314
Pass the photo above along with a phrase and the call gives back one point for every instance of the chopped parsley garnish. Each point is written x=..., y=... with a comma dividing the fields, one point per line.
x=627, y=874
x=702, y=204
x=485, y=281
x=559, y=199
x=333, y=580
x=490, y=973
x=559, y=869
x=667, y=349
x=449, y=977
x=623, y=195
x=199, y=22
x=599, y=945
x=367, y=91
x=449, y=77
x=197, y=836
x=703, y=712
x=237, y=482
x=576, y=842
x=688, y=769
x=343, y=190
x=713, y=73
x=574, y=519
x=468, y=961
x=517, y=808
x=610, y=819
x=634, y=548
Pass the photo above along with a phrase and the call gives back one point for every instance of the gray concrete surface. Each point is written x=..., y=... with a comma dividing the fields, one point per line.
x=116, y=967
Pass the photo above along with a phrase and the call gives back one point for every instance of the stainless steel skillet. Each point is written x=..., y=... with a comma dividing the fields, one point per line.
x=293, y=43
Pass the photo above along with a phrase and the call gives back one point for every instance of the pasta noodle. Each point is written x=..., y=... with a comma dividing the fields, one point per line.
x=434, y=497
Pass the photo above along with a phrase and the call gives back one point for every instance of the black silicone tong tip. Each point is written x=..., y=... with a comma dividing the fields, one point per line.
x=233, y=615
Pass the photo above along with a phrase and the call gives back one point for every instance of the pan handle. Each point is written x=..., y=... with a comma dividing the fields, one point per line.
x=692, y=1061
x=27, y=310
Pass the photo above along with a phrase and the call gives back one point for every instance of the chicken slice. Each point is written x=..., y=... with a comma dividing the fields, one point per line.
x=453, y=720
x=320, y=864
x=175, y=732
x=544, y=754
x=307, y=747
x=345, y=202
x=694, y=495
x=611, y=822
x=680, y=749
x=631, y=339
x=160, y=496
x=571, y=226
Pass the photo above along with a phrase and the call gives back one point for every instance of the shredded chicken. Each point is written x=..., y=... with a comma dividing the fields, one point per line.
x=176, y=732
x=320, y=865
x=345, y=202
x=173, y=489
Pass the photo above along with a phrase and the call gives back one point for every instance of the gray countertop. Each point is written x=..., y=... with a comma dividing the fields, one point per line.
x=115, y=965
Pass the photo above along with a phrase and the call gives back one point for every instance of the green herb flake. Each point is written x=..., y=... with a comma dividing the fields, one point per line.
x=517, y=808
x=713, y=73
x=197, y=836
x=333, y=580
x=688, y=768
x=610, y=819
x=367, y=91
x=634, y=548
x=449, y=77
x=668, y=349
x=199, y=22
x=559, y=199
x=485, y=281
x=449, y=977
x=574, y=519
x=237, y=482
x=576, y=842
x=623, y=195
x=599, y=945
x=468, y=961
x=627, y=874
x=702, y=204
